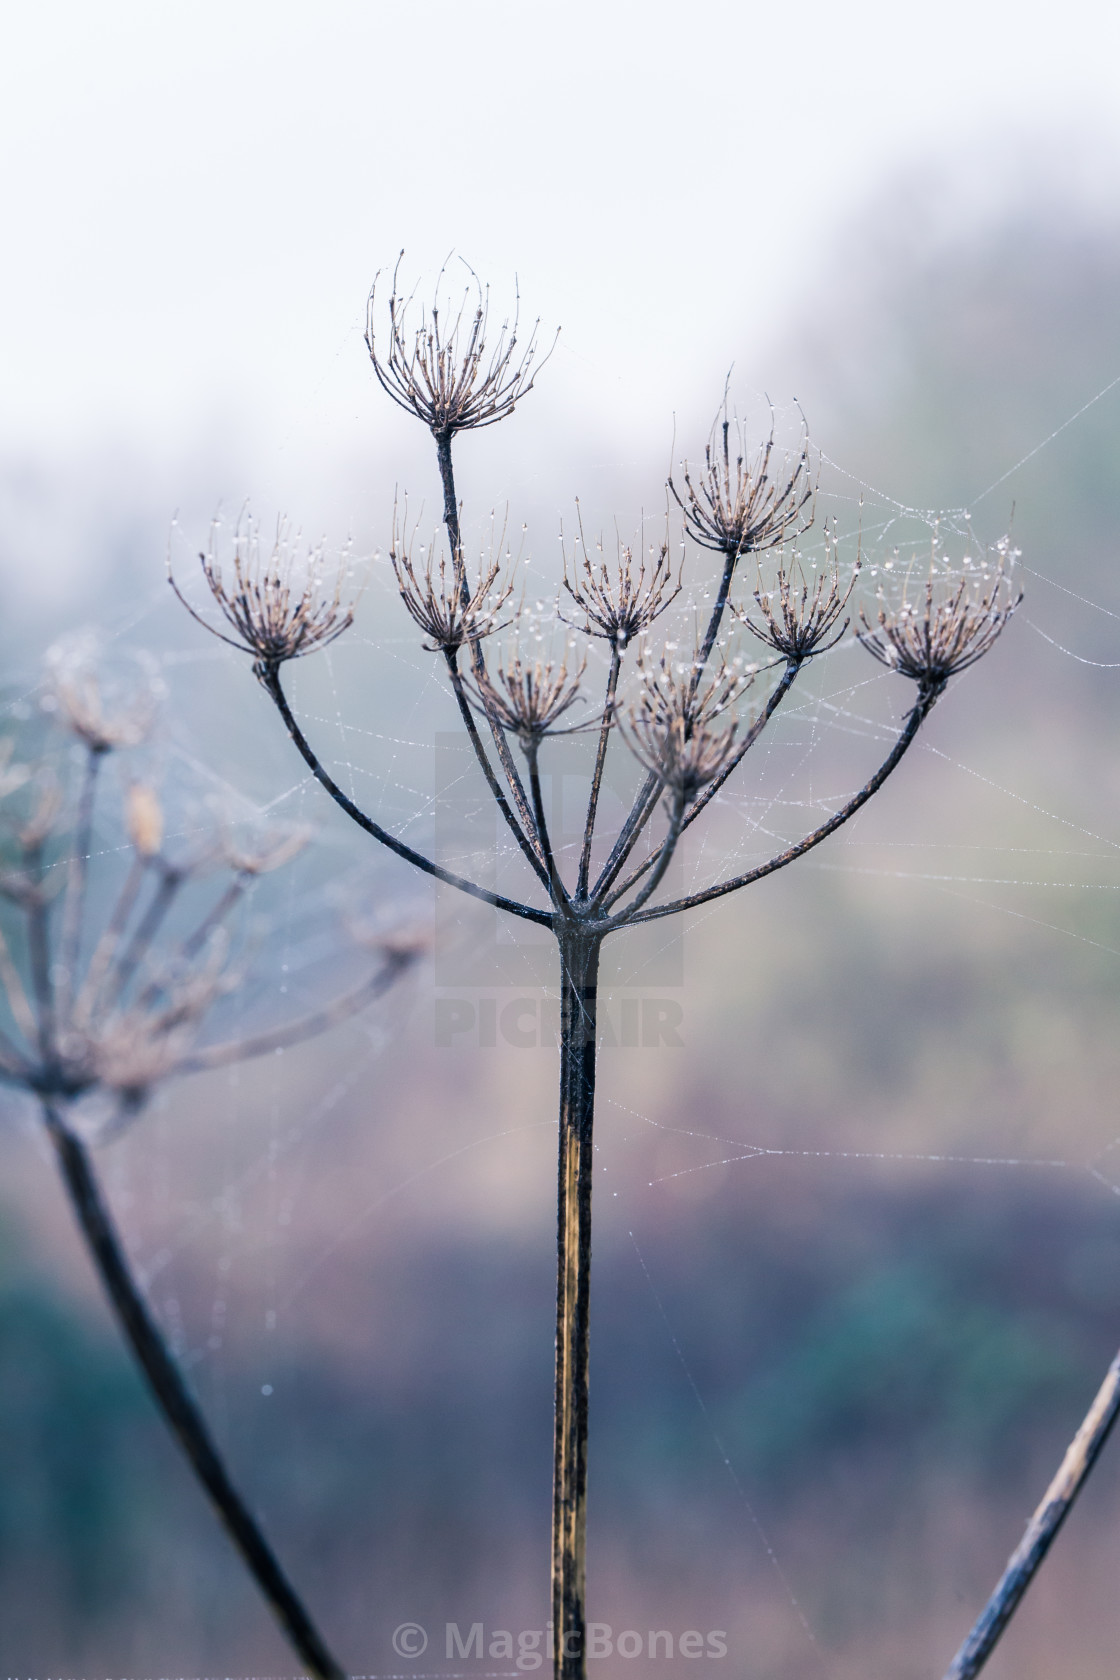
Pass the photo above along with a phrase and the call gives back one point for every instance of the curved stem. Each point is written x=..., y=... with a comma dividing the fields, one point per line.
x=308, y=1026
x=556, y=885
x=175, y=1401
x=914, y=718
x=579, y=960
x=730, y=561
x=492, y=782
x=662, y=858
x=640, y=812
x=271, y=681
x=1027, y=1557
x=597, y=777
x=478, y=663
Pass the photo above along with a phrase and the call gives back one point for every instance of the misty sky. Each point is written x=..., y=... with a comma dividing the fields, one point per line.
x=196, y=196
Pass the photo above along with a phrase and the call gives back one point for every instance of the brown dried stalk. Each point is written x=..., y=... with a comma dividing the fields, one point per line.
x=114, y=1031
x=1057, y=1502
x=680, y=726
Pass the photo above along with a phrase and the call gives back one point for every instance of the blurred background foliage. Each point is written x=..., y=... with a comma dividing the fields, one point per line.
x=858, y=1258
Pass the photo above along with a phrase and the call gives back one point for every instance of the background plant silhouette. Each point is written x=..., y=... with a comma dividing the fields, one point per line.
x=107, y=994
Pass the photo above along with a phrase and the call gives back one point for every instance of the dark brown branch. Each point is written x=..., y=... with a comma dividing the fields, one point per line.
x=913, y=721
x=597, y=776
x=1042, y=1529
x=556, y=885
x=478, y=662
x=579, y=967
x=664, y=856
x=523, y=840
x=176, y=1402
x=270, y=678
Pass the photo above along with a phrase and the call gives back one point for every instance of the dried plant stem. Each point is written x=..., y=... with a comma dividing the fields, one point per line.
x=579, y=959
x=270, y=677
x=597, y=777
x=174, y=1399
x=478, y=662
x=526, y=843
x=909, y=730
x=1042, y=1529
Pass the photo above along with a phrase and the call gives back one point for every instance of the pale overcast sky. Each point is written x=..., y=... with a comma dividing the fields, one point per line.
x=195, y=196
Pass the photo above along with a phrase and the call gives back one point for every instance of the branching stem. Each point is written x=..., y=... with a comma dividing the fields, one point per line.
x=270, y=677
x=175, y=1400
x=597, y=776
x=913, y=721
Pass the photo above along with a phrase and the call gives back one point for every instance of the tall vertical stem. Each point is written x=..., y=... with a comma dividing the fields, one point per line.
x=579, y=961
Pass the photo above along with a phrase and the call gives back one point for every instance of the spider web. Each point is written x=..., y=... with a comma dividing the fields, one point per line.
x=245, y=1224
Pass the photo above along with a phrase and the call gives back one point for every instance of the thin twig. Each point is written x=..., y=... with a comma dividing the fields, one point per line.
x=1042, y=1529
x=910, y=729
x=271, y=681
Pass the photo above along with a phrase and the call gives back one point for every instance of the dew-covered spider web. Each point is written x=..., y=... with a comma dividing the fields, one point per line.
x=858, y=1250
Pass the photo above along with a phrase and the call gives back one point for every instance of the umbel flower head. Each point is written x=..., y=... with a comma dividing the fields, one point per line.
x=440, y=368
x=679, y=727
x=619, y=603
x=799, y=614
x=280, y=606
x=441, y=601
x=528, y=697
x=744, y=503
x=953, y=622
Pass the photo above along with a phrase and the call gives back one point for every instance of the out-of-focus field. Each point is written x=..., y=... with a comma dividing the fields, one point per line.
x=857, y=1270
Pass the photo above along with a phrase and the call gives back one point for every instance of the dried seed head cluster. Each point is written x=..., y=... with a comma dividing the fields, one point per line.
x=744, y=503
x=440, y=369
x=620, y=603
x=281, y=606
x=799, y=614
x=119, y=978
x=128, y=1018
x=441, y=601
x=77, y=695
x=679, y=727
x=954, y=622
x=528, y=697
